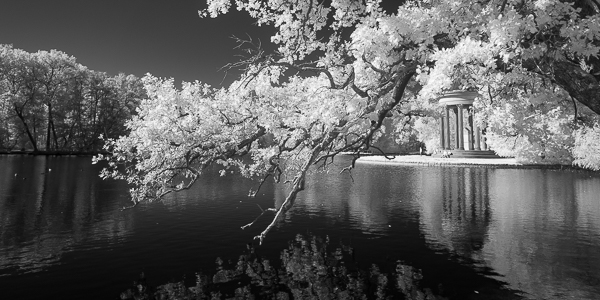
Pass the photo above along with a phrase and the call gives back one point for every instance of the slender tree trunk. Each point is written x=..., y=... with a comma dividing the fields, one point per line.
x=94, y=113
x=48, y=127
x=54, y=135
x=35, y=128
x=22, y=118
x=67, y=139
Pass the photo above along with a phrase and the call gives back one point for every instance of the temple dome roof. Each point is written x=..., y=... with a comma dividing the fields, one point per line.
x=458, y=97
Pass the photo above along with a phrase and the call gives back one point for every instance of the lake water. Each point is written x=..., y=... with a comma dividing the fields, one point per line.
x=476, y=233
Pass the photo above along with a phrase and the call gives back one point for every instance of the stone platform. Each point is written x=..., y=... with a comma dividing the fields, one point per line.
x=418, y=160
x=468, y=154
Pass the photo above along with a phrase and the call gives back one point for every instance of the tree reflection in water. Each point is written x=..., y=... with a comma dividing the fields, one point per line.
x=311, y=268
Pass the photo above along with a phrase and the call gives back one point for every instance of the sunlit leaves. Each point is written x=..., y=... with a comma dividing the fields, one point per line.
x=587, y=148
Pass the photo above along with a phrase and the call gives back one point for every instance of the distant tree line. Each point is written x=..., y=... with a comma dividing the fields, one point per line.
x=49, y=102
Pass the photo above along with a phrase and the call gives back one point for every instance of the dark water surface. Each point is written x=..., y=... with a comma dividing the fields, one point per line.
x=476, y=233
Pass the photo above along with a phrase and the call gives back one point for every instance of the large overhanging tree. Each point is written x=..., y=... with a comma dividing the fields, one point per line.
x=340, y=69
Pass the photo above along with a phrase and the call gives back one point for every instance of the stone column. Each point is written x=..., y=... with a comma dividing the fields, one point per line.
x=472, y=128
x=477, y=138
x=483, y=143
x=456, y=120
x=469, y=139
x=447, y=132
x=459, y=129
x=442, y=133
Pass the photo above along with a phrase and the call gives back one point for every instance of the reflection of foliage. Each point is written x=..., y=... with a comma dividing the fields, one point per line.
x=309, y=270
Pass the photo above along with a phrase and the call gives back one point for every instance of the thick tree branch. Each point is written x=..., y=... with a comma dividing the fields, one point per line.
x=298, y=182
x=580, y=85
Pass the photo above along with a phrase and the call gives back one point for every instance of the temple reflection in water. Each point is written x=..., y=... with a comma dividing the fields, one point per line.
x=456, y=210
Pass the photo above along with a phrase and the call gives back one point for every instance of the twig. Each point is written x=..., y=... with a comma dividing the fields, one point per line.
x=262, y=213
x=131, y=206
x=382, y=152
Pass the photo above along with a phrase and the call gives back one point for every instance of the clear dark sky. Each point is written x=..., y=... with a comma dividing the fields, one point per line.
x=162, y=37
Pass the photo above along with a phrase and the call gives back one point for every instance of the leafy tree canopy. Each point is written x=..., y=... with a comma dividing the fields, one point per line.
x=47, y=98
x=342, y=67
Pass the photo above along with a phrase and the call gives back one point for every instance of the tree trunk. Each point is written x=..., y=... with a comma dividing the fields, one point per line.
x=48, y=127
x=22, y=118
x=54, y=135
x=582, y=86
